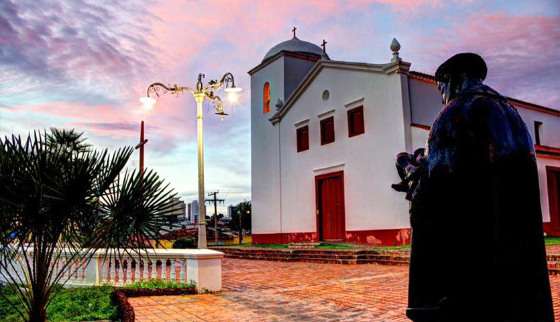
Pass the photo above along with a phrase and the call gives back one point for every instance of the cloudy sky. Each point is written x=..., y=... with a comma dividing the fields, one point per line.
x=84, y=64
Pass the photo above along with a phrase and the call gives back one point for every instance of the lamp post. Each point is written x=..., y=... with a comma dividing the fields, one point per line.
x=200, y=93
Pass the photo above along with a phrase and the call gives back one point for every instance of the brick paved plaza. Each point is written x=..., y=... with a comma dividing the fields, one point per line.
x=295, y=291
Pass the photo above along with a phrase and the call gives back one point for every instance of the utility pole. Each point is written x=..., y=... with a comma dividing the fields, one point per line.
x=239, y=214
x=215, y=200
x=141, y=147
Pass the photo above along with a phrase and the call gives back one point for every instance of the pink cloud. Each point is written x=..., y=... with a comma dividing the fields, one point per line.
x=89, y=65
x=521, y=52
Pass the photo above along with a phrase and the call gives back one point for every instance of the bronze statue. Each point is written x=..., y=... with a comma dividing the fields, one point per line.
x=477, y=252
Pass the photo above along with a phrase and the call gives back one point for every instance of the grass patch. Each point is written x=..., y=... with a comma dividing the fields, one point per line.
x=152, y=284
x=277, y=246
x=81, y=303
x=68, y=304
x=326, y=246
x=552, y=241
x=335, y=246
x=400, y=247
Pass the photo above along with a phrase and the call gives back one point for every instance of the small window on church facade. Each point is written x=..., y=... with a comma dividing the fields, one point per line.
x=302, y=134
x=356, y=121
x=327, y=130
x=266, y=97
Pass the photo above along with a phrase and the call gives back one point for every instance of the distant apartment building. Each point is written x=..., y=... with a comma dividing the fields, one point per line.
x=192, y=213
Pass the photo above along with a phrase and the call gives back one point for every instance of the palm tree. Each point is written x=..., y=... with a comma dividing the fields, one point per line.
x=59, y=197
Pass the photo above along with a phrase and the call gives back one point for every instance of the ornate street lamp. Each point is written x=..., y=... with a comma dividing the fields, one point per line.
x=200, y=93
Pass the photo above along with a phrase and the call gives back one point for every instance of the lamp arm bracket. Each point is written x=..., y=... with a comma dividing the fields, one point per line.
x=227, y=79
x=158, y=89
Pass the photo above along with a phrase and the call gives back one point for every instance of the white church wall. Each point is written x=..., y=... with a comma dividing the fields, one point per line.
x=295, y=70
x=265, y=179
x=419, y=137
x=550, y=129
x=425, y=102
x=367, y=159
x=542, y=163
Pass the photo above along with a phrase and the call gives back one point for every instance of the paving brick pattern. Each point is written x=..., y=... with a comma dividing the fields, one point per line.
x=295, y=291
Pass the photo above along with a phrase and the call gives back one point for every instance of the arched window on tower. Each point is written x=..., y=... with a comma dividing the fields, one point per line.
x=266, y=97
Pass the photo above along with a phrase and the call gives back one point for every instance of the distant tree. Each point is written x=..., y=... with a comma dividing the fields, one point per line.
x=61, y=199
x=213, y=218
x=243, y=209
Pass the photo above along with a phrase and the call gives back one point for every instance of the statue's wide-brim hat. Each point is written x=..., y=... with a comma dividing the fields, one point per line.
x=470, y=64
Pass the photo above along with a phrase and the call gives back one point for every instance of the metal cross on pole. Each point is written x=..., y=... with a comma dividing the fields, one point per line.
x=140, y=146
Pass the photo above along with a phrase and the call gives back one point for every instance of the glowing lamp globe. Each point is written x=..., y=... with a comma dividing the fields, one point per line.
x=148, y=103
x=233, y=94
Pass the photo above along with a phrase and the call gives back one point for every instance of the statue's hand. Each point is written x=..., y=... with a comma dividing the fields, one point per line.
x=410, y=168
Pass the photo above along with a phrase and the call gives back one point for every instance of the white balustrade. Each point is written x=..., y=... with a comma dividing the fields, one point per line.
x=202, y=267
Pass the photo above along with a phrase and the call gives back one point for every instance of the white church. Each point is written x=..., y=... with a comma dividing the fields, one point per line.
x=324, y=135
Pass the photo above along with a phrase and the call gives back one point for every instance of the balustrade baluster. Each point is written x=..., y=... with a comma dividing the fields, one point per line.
x=84, y=269
x=68, y=269
x=158, y=269
x=140, y=265
x=76, y=271
x=185, y=278
x=172, y=270
x=107, y=263
x=117, y=273
x=166, y=269
x=125, y=270
x=133, y=270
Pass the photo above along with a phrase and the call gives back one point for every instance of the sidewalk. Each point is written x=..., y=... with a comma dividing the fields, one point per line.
x=295, y=291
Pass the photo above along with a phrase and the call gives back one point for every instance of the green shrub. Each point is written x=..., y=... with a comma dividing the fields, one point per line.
x=155, y=283
x=67, y=304
x=185, y=243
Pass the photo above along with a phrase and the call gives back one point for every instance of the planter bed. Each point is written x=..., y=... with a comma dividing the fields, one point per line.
x=126, y=310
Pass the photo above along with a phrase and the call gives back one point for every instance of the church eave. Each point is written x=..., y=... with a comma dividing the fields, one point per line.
x=398, y=67
x=266, y=62
x=430, y=79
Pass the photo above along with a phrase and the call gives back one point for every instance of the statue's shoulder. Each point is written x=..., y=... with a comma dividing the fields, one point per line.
x=450, y=115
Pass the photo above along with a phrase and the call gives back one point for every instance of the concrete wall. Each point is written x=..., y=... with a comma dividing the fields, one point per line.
x=367, y=160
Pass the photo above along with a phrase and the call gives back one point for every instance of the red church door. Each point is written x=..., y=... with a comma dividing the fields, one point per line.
x=553, y=178
x=330, y=206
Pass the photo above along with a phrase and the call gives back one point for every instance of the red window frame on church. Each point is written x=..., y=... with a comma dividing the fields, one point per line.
x=302, y=134
x=266, y=97
x=327, y=130
x=356, y=121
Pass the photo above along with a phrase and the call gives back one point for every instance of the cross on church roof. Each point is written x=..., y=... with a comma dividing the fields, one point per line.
x=294, y=31
x=324, y=45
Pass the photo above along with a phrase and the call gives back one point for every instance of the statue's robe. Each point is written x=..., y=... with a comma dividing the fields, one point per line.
x=478, y=252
